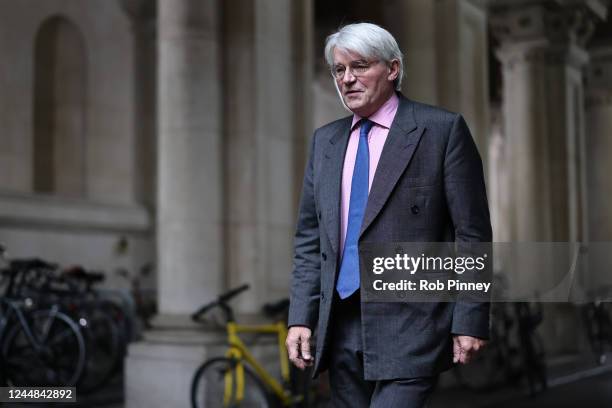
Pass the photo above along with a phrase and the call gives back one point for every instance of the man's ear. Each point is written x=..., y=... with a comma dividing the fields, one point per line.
x=393, y=70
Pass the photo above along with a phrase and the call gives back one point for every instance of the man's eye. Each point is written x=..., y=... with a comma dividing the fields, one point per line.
x=339, y=70
x=360, y=68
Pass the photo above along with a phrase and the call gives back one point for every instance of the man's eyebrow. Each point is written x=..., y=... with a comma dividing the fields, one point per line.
x=357, y=61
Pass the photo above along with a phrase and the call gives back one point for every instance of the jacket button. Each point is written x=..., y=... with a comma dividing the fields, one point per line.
x=415, y=209
x=324, y=256
x=322, y=296
x=319, y=216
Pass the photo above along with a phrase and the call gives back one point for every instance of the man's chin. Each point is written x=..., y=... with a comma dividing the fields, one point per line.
x=353, y=105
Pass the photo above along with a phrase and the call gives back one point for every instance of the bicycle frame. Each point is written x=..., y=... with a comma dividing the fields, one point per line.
x=239, y=352
x=5, y=317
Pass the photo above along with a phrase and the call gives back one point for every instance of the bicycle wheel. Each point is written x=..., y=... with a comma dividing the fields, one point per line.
x=211, y=379
x=123, y=321
x=57, y=360
x=598, y=328
x=104, y=349
x=535, y=363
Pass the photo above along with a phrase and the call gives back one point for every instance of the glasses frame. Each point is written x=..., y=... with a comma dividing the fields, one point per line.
x=354, y=68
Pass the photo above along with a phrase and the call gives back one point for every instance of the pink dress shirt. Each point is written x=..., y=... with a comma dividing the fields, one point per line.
x=382, y=119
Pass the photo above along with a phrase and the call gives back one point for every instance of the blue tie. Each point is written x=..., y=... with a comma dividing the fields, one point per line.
x=348, y=279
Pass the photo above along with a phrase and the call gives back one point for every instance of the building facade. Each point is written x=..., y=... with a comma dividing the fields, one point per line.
x=175, y=132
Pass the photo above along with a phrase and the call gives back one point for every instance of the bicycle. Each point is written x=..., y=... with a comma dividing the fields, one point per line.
x=37, y=347
x=142, y=301
x=238, y=378
x=73, y=291
x=598, y=323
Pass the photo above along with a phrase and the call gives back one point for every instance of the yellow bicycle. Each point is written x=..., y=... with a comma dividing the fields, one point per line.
x=238, y=379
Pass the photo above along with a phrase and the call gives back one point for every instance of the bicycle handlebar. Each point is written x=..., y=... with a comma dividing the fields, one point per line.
x=232, y=293
x=78, y=273
x=33, y=263
x=221, y=302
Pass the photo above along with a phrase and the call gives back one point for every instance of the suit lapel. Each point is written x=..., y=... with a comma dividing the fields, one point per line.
x=332, y=174
x=402, y=141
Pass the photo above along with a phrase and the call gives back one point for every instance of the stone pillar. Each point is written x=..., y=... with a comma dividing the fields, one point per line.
x=159, y=369
x=267, y=64
x=445, y=57
x=189, y=196
x=413, y=23
x=599, y=170
x=497, y=192
x=542, y=54
x=462, y=65
x=302, y=57
x=599, y=142
x=143, y=16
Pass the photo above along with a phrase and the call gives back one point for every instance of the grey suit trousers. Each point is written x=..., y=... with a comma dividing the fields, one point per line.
x=346, y=372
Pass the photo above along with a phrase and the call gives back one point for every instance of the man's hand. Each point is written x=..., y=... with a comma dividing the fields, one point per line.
x=464, y=348
x=298, y=346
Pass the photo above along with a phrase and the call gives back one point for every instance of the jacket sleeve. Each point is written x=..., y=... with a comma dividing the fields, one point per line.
x=306, y=276
x=467, y=204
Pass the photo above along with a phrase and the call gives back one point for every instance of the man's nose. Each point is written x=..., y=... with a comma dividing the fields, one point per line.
x=348, y=77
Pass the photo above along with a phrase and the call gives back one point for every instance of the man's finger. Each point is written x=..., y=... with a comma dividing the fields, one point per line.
x=465, y=356
x=305, y=349
x=299, y=363
x=292, y=348
x=456, y=350
x=467, y=343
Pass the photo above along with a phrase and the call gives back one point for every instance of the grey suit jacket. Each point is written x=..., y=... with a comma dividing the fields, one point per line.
x=429, y=161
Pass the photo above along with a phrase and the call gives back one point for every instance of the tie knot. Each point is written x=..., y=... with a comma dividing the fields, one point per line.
x=365, y=127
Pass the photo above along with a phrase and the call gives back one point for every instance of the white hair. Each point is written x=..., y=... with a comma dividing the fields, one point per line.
x=369, y=41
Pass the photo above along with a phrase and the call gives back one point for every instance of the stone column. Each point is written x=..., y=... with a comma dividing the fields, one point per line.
x=267, y=122
x=189, y=195
x=159, y=369
x=445, y=57
x=413, y=23
x=143, y=16
x=599, y=142
x=599, y=169
x=462, y=65
x=542, y=54
x=497, y=191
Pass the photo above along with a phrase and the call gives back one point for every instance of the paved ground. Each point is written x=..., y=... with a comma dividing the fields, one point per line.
x=587, y=386
x=591, y=392
x=567, y=391
x=594, y=392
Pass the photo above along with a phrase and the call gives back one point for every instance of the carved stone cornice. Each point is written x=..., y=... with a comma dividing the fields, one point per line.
x=142, y=15
x=515, y=54
x=598, y=84
x=140, y=10
x=555, y=21
x=599, y=71
x=598, y=98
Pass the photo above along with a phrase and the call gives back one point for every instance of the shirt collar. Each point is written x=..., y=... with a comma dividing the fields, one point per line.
x=384, y=115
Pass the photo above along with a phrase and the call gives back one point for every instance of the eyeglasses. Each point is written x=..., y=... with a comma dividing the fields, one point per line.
x=356, y=68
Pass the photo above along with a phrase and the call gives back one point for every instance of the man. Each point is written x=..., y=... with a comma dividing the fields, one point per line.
x=394, y=171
